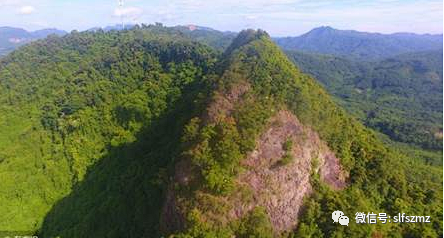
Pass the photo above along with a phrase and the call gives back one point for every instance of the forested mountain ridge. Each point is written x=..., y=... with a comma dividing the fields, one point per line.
x=11, y=38
x=360, y=45
x=68, y=103
x=264, y=83
x=214, y=38
x=96, y=126
x=399, y=96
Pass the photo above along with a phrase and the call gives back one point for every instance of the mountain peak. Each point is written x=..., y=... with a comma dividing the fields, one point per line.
x=359, y=45
x=226, y=150
x=245, y=37
x=321, y=30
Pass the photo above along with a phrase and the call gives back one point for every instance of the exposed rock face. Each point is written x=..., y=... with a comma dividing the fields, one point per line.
x=266, y=181
x=330, y=171
x=281, y=188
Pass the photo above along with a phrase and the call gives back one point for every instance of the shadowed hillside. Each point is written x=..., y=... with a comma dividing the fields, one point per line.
x=144, y=133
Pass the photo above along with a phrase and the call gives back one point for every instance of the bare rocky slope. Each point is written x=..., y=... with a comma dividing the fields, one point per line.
x=273, y=156
x=281, y=188
x=270, y=183
x=275, y=174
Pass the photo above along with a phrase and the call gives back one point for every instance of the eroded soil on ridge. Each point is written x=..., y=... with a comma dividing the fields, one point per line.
x=278, y=187
x=266, y=180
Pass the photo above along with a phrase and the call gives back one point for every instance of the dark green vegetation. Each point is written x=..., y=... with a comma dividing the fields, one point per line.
x=93, y=123
x=11, y=38
x=380, y=179
x=287, y=146
x=377, y=80
x=93, y=118
x=360, y=45
x=216, y=39
x=399, y=96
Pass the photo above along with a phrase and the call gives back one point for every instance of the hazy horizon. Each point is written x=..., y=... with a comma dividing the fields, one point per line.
x=279, y=17
x=296, y=35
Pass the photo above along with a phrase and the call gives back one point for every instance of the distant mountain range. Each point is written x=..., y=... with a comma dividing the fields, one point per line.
x=393, y=88
x=360, y=45
x=349, y=44
x=325, y=40
x=11, y=38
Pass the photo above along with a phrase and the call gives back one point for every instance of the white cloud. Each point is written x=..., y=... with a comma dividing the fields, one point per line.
x=128, y=12
x=25, y=10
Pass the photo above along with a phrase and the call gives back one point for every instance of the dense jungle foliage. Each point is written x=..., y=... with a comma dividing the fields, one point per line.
x=400, y=96
x=91, y=118
x=381, y=179
x=92, y=125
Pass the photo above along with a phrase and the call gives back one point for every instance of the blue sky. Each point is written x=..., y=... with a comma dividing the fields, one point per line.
x=278, y=17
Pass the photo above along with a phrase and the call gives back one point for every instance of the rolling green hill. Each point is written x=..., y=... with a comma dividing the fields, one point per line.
x=147, y=133
x=69, y=103
x=399, y=96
